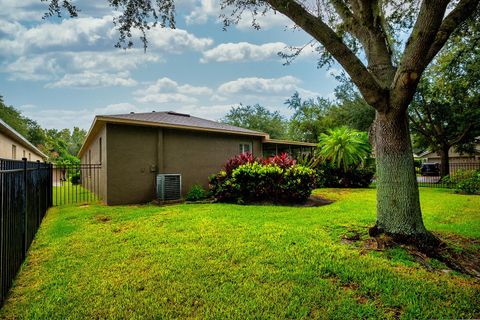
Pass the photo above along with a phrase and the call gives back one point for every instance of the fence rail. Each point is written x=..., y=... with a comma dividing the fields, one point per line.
x=76, y=183
x=436, y=181
x=25, y=196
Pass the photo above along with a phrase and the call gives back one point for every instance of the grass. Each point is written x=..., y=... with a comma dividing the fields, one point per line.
x=69, y=193
x=229, y=261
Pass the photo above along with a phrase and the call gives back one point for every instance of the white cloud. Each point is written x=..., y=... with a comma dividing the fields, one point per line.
x=59, y=118
x=79, y=117
x=270, y=20
x=21, y=10
x=33, y=68
x=54, y=66
x=94, y=79
x=203, y=11
x=174, y=40
x=79, y=52
x=85, y=32
x=206, y=10
x=255, y=86
x=247, y=52
x=166, y=90
x=243, y=51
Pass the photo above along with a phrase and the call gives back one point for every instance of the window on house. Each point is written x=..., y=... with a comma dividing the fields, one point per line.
x=24, y=154
x=14, y=152
x=100, y=149
x=29, y=156
x=245, y=147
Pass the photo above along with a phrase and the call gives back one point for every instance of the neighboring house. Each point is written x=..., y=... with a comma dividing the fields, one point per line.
x=15, y=147
x=454, y=157
x=133, y=148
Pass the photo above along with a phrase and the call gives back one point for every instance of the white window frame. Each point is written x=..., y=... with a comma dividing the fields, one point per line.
x=243, y=145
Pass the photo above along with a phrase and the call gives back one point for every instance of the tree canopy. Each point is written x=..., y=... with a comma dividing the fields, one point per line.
x=257, y=118
x=447, y=102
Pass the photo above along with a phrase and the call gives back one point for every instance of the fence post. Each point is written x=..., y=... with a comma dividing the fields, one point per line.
x=25, y=207
x=2, y=236
x=38, y=193
x=50, y=197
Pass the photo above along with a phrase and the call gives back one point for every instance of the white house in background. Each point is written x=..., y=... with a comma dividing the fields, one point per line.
x=14, y=146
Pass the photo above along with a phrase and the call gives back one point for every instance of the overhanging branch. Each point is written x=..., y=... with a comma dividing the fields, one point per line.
x=320, y=31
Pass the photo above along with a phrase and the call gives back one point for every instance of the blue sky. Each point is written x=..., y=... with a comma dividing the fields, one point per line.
x=63, y=72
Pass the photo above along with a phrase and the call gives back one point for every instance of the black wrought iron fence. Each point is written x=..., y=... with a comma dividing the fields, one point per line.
x=25, y=196
x=434, y=180
x=76, y=183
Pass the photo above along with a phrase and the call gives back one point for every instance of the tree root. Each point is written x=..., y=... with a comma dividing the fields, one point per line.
x=429, y=245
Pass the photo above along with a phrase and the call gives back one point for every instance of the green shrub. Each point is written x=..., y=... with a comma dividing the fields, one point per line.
x=264, y=181
x=329, y=176
x=464, y=181
x=196, y=193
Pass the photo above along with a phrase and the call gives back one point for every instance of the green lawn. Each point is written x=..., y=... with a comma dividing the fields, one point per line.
x=229, y=261
x=70, y=193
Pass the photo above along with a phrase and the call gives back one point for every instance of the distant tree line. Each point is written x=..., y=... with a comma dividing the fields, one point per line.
x=61, y=146
x=311, y=117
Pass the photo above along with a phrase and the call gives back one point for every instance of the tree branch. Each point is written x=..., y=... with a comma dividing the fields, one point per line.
x=320, y=31
x=428, y=36
x=371, y=33
x=462, y=136
x=462, y=11
x=366, y=24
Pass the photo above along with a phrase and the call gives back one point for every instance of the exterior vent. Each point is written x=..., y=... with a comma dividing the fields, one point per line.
x=169, y=187
x=178, y=114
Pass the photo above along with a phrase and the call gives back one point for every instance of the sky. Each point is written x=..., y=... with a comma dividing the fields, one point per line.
x=63, y=72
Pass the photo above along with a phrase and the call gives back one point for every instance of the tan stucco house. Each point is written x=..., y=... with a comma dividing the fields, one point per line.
x=14, y=146
x=454, y=157
x=135, y=148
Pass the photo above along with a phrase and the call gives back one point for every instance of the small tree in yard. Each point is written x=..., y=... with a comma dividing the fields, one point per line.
x=365, y=38
x=344, y=147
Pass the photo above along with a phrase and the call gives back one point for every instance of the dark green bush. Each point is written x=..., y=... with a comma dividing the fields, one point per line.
x=196, y=193
x=331, y=177
x=464, y=181
x=75, y=178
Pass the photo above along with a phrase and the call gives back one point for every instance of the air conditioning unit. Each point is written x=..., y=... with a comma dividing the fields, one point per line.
x=169, y=186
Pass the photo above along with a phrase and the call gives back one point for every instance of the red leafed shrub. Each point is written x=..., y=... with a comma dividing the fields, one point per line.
x=238, y=160
x=277, y=179
x=283, y=161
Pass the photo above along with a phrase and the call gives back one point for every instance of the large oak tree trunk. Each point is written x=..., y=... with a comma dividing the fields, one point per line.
x=444, y=162
x=398, y=203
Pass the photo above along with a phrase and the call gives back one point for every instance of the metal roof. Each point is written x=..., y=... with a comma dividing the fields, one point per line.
x=183, y=120
x=4, y=127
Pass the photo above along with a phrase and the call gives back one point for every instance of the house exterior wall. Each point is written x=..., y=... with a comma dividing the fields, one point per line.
x=6, y=144
x=198, y=155
x=136, y=154
x=132, y=160
x=92, y=155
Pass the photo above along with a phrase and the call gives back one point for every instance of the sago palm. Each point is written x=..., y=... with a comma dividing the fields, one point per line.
x=344, y=147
